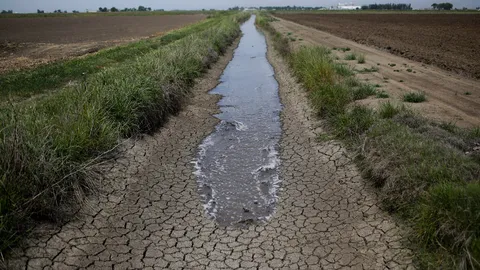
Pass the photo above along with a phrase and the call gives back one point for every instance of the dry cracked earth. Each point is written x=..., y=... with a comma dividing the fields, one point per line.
x=149, y=214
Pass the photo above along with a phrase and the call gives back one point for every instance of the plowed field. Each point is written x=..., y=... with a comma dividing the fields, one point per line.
x=449, y=41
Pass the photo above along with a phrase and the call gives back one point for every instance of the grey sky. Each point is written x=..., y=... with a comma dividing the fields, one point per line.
x=82, y=5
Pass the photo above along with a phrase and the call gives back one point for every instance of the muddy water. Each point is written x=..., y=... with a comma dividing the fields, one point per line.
x=237, y=165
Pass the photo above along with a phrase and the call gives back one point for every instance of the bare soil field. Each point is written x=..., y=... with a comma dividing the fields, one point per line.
x=449, y=41
x=450, y=97
x=26, y=42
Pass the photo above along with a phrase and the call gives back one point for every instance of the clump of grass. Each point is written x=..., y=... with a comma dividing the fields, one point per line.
x=414, y=97
x=293, y=39
x=344, y=49
x=289, y=33
x=409, y=70
x=364, y=91
x=352, y=123
x=54, y=138
x=368, y=70
x=468, y=93
x=389, y=110
x=382, y=94
x=352, y=82
x=351, y=56
x=450, y=211
x=361, y=59
x=401, y=81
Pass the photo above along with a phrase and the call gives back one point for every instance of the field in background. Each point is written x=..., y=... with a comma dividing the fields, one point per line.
x=450, y=41
x=30, y=41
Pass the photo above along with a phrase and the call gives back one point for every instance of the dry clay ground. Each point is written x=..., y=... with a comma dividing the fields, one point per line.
x=150, y=215
x=446, y=92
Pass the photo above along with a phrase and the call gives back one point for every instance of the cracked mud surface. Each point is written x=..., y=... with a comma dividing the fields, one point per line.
x=150, y=215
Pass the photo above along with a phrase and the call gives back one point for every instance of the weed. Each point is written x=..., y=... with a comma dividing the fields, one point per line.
x=401, y=81
x=414, y=97
x=354, y=122
x=368, y=70
x=364, y=91
x=289, y=33
x=409, y=70
x=392, y=65
x=377, y=85
x=293, y=39
x=389, y=110
x=324, y=137
x=382, y=94
x=351, y=56
x=468, y=93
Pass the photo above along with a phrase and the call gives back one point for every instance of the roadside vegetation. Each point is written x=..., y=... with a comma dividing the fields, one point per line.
x=426, y=172
x=48, y=144
x=25, y=83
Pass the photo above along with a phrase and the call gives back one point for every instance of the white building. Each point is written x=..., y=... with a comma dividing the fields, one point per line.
x=347, y=6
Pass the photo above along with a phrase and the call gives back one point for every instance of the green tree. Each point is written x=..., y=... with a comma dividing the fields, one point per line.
x=113, y=9
x=40, y=11
x=434, y=5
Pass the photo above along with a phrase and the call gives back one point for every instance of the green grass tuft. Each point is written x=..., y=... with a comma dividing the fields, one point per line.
x=351, y=56
x=382, y=94
x=414, y=97
x=364, y=91
x=389, y=110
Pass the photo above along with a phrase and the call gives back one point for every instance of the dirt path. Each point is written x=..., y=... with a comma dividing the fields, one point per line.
x=446, y=92
x=151, y=215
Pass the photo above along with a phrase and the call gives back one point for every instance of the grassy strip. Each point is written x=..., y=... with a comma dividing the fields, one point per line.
x=47, y=144
x=420, y=167
x=25, y=83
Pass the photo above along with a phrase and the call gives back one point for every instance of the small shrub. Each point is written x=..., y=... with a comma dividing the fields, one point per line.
x=414, y=97
x=392, y=65
x=409, y=70
x=293, y=39
x=468, y=93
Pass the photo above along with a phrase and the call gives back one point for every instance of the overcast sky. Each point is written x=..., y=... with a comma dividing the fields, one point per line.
x=82, y=5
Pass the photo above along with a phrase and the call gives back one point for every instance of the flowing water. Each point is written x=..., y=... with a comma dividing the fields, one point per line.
x=237, y=165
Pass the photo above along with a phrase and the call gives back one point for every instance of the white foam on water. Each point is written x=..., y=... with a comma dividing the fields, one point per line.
x=240, y=126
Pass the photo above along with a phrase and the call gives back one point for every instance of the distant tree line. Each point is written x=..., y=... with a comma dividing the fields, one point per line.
x=391, y=6
x=442, y=6
x=114, y=9
x=59, y=11
x=290, y=8
x=7, y=11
